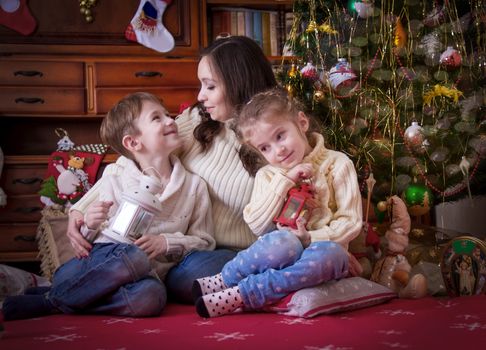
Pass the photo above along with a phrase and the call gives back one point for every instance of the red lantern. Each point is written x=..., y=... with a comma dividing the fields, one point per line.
x=300, y=203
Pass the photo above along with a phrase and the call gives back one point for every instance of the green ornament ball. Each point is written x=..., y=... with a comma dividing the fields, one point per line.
x=418, y=199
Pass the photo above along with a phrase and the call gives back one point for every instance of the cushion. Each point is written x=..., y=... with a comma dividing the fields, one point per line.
x=336, y=296
x=54, y=245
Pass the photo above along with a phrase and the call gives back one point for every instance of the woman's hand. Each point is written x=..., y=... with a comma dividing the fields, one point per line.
x=80, y=245
x=152, y=245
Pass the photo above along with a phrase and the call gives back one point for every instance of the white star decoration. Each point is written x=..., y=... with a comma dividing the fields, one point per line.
x=391, y=332
x=204, y=323
x=397, y=312
x=446, y=304
x=151, y=331
x=326, y=347
x=469, y=326
x=54, y=337
x=229, y=336
x=119, y=320
x=395, y=345
x=292, y=321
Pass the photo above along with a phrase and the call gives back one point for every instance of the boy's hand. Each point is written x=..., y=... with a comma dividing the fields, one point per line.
x=301, y=232
x=300, y=171
x=152, y=245
x=96, y=214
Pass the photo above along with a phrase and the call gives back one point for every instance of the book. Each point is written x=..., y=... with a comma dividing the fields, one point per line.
x=274, y=50
x=240, y=22
x=257, y=28
x=266, y=33
x=234, y=22
x=249, y=23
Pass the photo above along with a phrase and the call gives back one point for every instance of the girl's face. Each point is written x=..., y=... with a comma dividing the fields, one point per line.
x=212, y=93
x=282, y=142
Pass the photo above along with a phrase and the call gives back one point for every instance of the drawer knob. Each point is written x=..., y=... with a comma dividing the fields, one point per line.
x=24, y=238
x=28, y=73
x=30, y=100
x=27, y=181
x=28, y=210
x=148, y=74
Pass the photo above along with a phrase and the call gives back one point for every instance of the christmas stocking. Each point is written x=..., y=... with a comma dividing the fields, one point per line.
x=146, y=26
x=15, y=15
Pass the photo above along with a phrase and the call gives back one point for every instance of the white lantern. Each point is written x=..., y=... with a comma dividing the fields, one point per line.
x=136, y=212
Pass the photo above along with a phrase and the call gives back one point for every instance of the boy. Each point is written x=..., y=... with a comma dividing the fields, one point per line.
x=118, y=278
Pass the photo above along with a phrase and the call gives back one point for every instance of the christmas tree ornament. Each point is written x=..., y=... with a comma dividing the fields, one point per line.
x=85, y=7
x=342, y=78
x=400, y=37
x=15, y=14
x=464, y=165
x=436, y=17
x=364, y=8
x=450, y=58
x=452, y=170
x=418, y=198
x=146, y=26
x=414, y=135
x=318, y=96
x=440, y=154
x=381, y=206
x=309, y=71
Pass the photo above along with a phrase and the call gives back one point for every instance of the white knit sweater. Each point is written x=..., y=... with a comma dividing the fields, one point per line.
x=228, y=182
x=339, y=216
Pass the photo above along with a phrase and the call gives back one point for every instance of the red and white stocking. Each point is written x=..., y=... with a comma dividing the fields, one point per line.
x=15, y=15
x=146, y=26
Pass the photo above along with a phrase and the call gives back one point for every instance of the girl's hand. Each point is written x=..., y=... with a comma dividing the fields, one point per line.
x=152, y=245
x=301, y=232
x=80, y=245
x=96, y=214
x=300, y=171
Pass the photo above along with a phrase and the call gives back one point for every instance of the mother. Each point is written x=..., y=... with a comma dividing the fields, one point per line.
x=231, y=70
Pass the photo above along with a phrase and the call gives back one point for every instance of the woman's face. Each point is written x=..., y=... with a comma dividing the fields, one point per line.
x=212, y=93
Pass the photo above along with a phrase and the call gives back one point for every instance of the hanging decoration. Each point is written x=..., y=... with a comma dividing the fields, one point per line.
x=450, y=58
x=85, y=7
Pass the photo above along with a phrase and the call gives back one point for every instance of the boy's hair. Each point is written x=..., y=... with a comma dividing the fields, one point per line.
x=119, y=121
x=274, y=103
x=244, y=71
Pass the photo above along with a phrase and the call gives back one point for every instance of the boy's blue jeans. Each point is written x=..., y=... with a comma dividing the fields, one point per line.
x=114, y=279
x=277, y=264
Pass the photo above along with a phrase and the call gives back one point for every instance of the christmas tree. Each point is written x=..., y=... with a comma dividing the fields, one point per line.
x=399, y=86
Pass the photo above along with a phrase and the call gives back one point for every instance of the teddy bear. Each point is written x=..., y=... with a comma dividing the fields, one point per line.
x=393, y=269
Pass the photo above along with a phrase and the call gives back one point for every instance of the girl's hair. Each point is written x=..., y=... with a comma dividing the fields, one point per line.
x=274, y=104
x=119, y=121
x=243, y=69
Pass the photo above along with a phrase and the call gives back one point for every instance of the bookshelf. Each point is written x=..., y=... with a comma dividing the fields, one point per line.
x=267, y=22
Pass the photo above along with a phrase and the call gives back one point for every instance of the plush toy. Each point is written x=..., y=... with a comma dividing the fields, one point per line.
x=393, y=270
x=366, y=248
x=3, y=195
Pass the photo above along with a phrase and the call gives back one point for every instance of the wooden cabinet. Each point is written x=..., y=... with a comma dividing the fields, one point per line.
x=68, y=74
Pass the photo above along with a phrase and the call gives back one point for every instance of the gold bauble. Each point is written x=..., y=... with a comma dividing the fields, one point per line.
x=318, y=95
x=381, y=206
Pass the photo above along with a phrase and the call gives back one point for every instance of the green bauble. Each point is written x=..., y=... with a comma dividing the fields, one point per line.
x=418, y=199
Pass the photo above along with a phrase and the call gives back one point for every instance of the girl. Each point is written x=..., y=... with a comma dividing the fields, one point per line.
x=286, y=260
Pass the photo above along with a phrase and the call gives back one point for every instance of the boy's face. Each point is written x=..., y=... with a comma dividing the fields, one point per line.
x=158, y=131
x=281, y=142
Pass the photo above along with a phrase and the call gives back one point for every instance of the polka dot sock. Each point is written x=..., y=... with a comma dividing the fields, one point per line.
x=206, y=285
x=220, y=303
